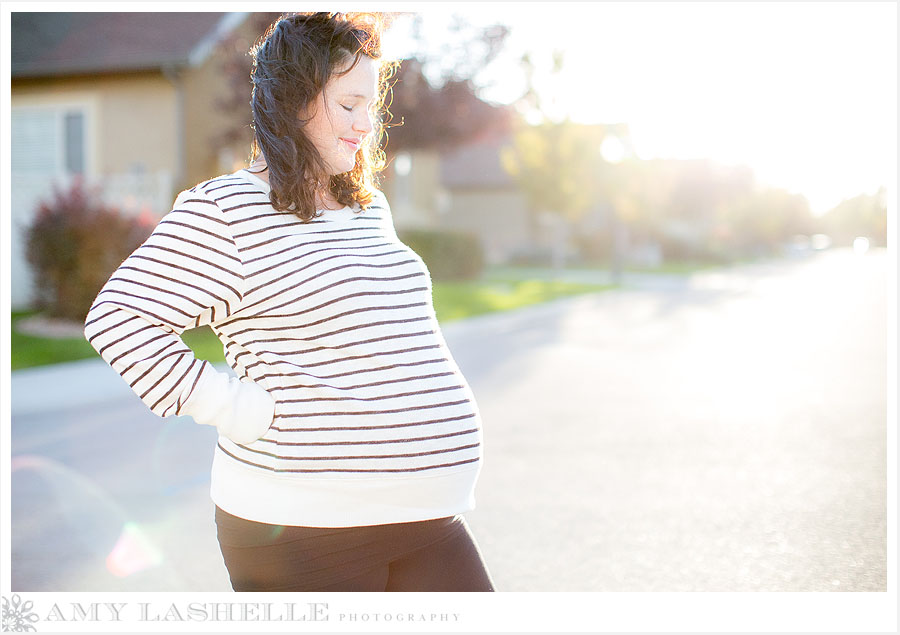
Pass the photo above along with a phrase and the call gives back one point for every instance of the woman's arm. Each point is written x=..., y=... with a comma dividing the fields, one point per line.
x=187, y=274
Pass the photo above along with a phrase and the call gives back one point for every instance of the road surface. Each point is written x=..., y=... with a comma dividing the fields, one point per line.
x=719, y=432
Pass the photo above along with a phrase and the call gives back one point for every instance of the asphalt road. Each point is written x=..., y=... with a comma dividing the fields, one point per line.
x=722, y=432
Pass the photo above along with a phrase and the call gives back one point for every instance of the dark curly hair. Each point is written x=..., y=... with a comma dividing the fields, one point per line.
x=292, y=63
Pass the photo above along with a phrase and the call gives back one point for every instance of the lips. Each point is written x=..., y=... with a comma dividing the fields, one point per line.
x=352, y=143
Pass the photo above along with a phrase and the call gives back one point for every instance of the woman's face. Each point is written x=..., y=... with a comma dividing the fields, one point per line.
x=341, y=116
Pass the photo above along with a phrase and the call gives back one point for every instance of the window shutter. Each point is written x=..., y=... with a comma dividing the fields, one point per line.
x=47, y=141
x=35, y=142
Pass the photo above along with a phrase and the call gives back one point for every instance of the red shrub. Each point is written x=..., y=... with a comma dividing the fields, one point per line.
x=74, y=244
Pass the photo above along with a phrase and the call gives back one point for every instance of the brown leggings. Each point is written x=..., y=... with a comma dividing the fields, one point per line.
x=431, y=555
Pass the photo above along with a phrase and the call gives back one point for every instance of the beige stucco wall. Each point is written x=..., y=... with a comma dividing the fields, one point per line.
x=132, y=121
x=203, y=121
x=133, y=124
x=417, y=197
x=426, y=184
x=498, y=217
x=138, y=124
x=129, y=142
x=206, y=84
x=136, y=121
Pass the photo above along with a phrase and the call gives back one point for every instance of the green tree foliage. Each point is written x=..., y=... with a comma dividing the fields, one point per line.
x=449, y=255
x=699, y=210
x=863, y=215
x=639, y=192
x=721, y=212
x=555, y=165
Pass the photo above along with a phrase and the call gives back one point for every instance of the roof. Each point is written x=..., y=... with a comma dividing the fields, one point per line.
x=51, y=44
x=476, y=164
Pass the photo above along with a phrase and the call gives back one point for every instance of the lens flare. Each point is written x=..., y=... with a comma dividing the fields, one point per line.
x=83, y=513
x=132, y=553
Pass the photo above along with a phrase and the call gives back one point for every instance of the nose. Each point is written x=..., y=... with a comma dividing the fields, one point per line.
x=363, y=123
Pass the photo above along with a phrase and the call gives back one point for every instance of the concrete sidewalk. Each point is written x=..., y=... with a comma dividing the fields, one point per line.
x=77, y=384
x=71, y=384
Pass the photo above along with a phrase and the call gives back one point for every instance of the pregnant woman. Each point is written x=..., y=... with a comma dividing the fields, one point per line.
x=349, y=443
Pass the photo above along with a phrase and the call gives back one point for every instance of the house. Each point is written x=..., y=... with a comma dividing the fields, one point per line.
x=485, y=200
x=128, y=101
x=133, y=103
x=466, y=188
x=462, y=189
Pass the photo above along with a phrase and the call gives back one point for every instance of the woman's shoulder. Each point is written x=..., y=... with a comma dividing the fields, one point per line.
x=229, y=191
x=379, y=202
x=230, y=184
x=223, y=200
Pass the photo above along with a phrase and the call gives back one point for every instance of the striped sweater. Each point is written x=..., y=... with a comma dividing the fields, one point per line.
x=346, y=407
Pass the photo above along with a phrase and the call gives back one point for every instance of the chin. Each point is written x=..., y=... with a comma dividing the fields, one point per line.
x=342, y=165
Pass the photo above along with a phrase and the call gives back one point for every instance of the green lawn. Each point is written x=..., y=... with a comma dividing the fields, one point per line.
x=27, y=350
x=458, y=300
x=452, y=301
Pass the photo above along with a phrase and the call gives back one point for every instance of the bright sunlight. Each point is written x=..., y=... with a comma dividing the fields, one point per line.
x=803, y=93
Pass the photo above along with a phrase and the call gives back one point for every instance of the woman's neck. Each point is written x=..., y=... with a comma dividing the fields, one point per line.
x=326, y=200
x=324, y=197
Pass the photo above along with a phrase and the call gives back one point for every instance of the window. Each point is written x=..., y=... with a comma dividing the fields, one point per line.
x=402, y=182
x=74, y=142
x=48, y=141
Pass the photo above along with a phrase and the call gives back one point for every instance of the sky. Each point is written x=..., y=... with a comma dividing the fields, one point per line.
x=804, y=93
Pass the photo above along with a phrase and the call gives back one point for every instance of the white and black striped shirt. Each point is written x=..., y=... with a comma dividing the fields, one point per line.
x=341, y=366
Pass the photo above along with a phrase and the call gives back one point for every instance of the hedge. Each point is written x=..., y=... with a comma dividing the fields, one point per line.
x=448, y=254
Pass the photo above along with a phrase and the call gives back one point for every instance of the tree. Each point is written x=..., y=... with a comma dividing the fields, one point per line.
x=435, y=103
x=766, y=218
x=862, y=215
x=74, y=243
x=438, y=118
x=555, y=164
x=458, y=51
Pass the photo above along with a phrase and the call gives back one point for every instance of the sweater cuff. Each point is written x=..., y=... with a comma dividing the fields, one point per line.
x=240, y=409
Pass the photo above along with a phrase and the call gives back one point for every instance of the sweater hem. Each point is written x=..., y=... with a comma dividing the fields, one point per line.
x=321, y=502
